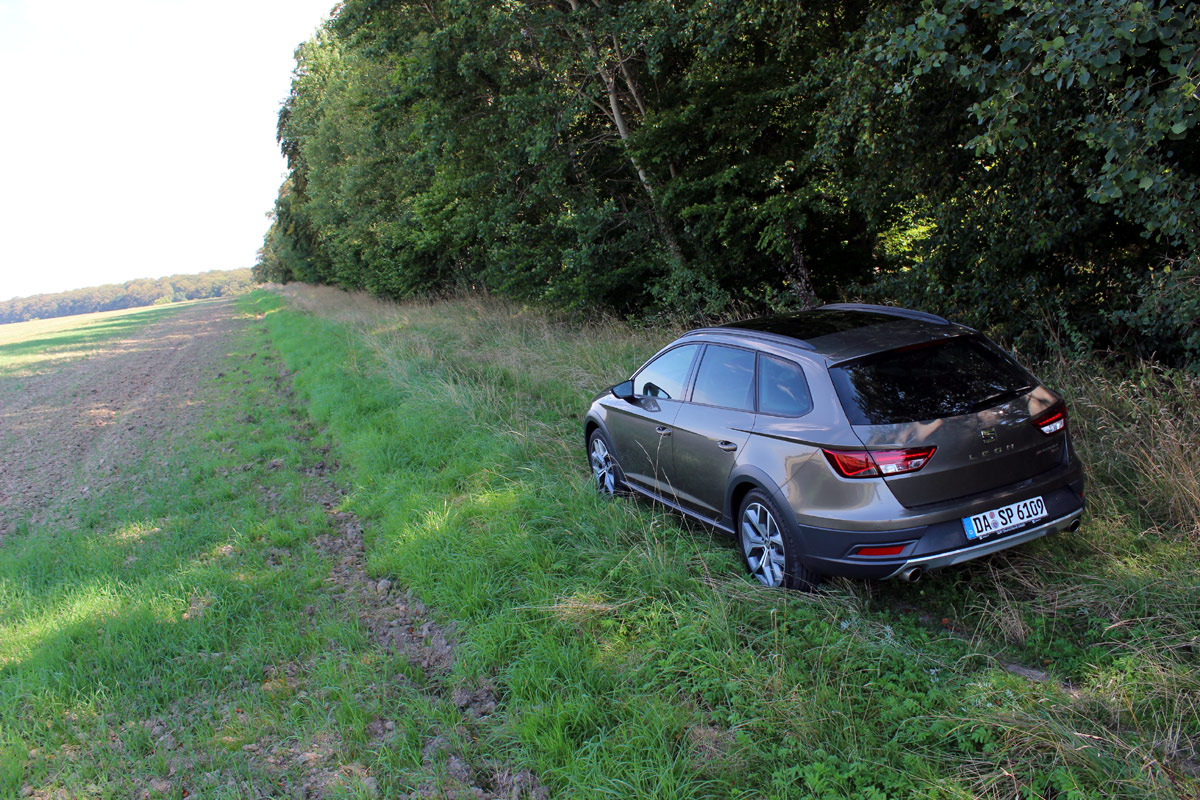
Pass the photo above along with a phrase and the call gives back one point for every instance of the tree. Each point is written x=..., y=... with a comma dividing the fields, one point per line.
x=1049, y=148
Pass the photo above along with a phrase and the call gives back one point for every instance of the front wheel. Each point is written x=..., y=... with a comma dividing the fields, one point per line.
x=770, y=550
x=606, y=472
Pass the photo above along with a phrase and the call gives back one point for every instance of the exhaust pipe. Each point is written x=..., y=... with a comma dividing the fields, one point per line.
x=912, y=574
x=1074, y=526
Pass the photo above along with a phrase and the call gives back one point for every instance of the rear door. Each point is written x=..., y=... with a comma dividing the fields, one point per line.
x=712, y=429
x=964, y=396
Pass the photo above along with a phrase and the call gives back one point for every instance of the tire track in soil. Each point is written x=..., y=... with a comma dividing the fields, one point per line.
x=396, y=623
x=71, y=429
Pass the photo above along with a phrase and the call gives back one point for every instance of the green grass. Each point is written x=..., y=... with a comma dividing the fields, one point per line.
x=179, y=618
x=629, y=654
x=635, y=659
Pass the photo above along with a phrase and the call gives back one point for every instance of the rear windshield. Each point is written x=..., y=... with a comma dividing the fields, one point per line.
x=930, y=381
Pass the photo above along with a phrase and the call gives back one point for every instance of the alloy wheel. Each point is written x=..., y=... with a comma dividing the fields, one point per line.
x=603, y=467
x=762, y=542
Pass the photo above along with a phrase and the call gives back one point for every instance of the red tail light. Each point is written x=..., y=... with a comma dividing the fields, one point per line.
x=885, y=550
x=875, y=463
x=1052, y=420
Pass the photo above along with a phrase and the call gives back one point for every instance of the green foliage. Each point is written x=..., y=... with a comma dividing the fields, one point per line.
x=627, y=155
x=131, y=294
x=1055, y=148
x=1031, y=168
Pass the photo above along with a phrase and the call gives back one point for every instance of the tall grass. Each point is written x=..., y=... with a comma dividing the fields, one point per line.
x=632, y=656
x=1139, y=432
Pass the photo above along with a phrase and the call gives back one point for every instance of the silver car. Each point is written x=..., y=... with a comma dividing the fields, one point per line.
x=856, y=440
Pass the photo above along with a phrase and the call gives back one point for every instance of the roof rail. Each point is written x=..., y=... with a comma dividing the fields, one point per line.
x=765, y=336
x=893, y=310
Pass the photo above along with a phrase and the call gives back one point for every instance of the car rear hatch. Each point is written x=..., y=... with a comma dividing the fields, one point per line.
x=961, y=395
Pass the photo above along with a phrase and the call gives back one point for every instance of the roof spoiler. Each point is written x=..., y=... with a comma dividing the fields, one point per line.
x=893, y=310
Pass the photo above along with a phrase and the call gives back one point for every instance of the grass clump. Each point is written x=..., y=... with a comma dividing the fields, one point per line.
x=1139, y=431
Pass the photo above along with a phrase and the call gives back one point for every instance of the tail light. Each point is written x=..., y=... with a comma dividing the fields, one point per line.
x=875, y=463
x=1052, y=420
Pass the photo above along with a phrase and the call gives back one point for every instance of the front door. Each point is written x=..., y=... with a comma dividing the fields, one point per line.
x=642, y=430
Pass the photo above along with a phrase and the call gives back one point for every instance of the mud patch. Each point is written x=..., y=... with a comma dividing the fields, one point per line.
x=399, y=623
x=396, y=621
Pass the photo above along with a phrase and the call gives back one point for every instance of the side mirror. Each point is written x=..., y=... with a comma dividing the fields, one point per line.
x=623, y=391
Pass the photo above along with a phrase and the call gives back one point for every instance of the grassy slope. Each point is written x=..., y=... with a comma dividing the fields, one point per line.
x=635, y=659
x=39, y=339
x=46, y=344
x=182, y=638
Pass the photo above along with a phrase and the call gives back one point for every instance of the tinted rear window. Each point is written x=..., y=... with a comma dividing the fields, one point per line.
x=942, y=379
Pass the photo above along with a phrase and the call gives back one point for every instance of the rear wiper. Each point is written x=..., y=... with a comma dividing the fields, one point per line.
x=999, y=397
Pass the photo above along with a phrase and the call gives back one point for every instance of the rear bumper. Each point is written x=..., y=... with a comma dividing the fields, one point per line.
x=941, y=544
x=924, y=563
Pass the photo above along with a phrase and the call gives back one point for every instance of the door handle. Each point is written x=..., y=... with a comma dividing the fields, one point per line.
x=728, y=447
x=663, y=430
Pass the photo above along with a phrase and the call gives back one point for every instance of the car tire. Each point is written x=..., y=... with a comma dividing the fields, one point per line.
x=770, y=548
x=607, y=476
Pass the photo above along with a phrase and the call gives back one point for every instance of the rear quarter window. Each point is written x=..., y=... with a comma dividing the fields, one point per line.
x=782, y=389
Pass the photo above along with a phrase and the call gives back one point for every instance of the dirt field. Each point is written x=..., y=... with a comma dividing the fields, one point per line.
x=68, y=426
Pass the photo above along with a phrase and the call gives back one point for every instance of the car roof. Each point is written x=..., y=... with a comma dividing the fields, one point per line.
x=844, y=331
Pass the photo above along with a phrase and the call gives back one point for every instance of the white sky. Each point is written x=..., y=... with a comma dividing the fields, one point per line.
x=137, y=137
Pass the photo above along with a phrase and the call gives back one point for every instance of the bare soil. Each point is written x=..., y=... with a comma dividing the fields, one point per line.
x=71, y=427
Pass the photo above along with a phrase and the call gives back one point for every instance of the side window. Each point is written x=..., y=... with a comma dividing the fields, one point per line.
x=782, y=388
x=665, y=376
x=725, y=378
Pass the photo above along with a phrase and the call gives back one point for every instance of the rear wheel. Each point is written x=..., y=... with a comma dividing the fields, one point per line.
x=606, y=472
x=770, y=549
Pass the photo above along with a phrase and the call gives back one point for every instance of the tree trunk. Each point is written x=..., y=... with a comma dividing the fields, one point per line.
x=798, y=274
x=608, y=77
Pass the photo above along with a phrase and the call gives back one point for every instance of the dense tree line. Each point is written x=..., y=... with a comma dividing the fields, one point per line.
x=131, y=294
x=1028, y=167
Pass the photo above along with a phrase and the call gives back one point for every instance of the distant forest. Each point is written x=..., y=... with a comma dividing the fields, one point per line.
x=131, y=294
x=1028, y=168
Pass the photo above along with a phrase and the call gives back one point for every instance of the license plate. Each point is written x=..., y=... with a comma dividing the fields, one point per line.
x=1006, y=518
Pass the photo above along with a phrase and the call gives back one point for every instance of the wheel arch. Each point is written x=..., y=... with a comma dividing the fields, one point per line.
x=747, y=479
x=593, y=423
x=737, y=494
x=743, y=480
x=589, y=425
